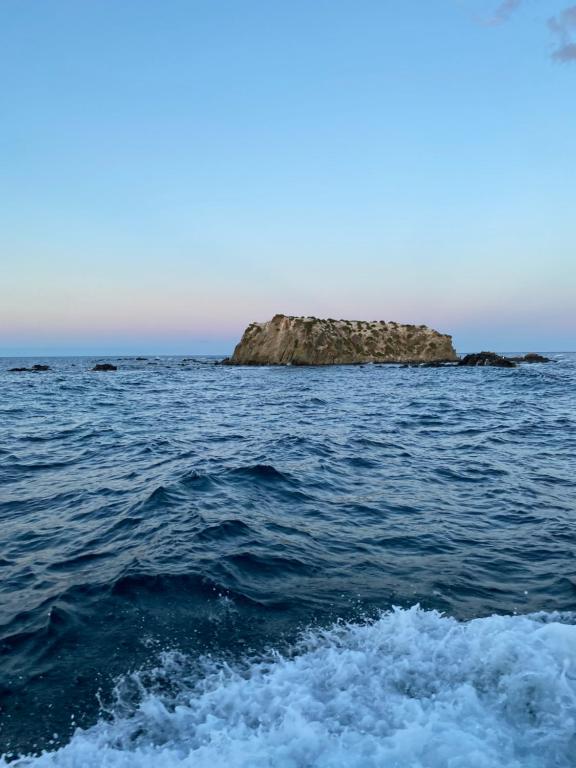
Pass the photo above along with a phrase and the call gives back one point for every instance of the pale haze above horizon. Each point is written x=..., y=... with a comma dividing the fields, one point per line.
x=172, y=171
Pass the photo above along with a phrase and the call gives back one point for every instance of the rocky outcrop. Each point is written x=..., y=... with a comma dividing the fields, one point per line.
x=499, y=361
x=531, y=357
x=487, y=358
x=288, y=340
x=38, y=368
x=105, y=367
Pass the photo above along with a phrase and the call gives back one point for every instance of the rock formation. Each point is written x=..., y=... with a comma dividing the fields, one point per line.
x=487, y=358
x=499, y=361
x=37, y=368
x=531, y=357
x=105, y=367
x=309, y=341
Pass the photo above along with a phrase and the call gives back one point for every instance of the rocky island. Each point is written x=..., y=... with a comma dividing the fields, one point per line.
x=286, y=340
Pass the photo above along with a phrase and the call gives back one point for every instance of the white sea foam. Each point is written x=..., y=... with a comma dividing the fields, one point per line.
x=414, y=689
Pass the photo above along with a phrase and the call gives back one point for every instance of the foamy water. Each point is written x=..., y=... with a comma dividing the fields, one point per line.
x=413, y=688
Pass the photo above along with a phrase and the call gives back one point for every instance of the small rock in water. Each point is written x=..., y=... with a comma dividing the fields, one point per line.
x=534, y=357
x=35, y=369
x=531, y=357
x=487, y=358
x=105, y=367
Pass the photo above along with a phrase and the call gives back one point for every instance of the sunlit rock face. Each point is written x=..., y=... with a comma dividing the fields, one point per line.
x=288, y=340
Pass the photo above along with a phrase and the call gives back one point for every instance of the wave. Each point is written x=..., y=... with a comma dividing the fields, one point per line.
x=260, y=471
x=413, y=688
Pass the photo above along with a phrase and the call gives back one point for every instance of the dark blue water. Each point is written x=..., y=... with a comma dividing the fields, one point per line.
x=189, y=521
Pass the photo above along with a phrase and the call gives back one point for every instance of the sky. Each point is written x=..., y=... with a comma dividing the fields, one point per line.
x=171, y=170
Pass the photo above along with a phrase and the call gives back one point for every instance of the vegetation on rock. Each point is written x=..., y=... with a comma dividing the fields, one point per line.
x=286, y=340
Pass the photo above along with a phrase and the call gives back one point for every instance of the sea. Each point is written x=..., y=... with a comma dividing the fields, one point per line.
x=285, y=567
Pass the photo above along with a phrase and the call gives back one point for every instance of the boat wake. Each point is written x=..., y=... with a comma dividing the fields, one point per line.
x=412, y=689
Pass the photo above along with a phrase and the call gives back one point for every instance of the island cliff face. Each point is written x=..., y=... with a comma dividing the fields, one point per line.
x=309, y=341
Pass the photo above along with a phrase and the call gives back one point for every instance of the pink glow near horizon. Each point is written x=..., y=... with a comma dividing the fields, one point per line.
x=231, y=325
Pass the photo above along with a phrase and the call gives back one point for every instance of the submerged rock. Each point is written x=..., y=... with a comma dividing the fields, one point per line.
x=487, y=358
x=105, y=367
x=288, y=340
x=531, y=357
x=38, y=367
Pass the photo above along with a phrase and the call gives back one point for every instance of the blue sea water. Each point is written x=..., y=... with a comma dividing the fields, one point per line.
x=287, y=567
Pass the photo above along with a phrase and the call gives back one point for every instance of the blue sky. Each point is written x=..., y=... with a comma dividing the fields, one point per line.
x=172, y=170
